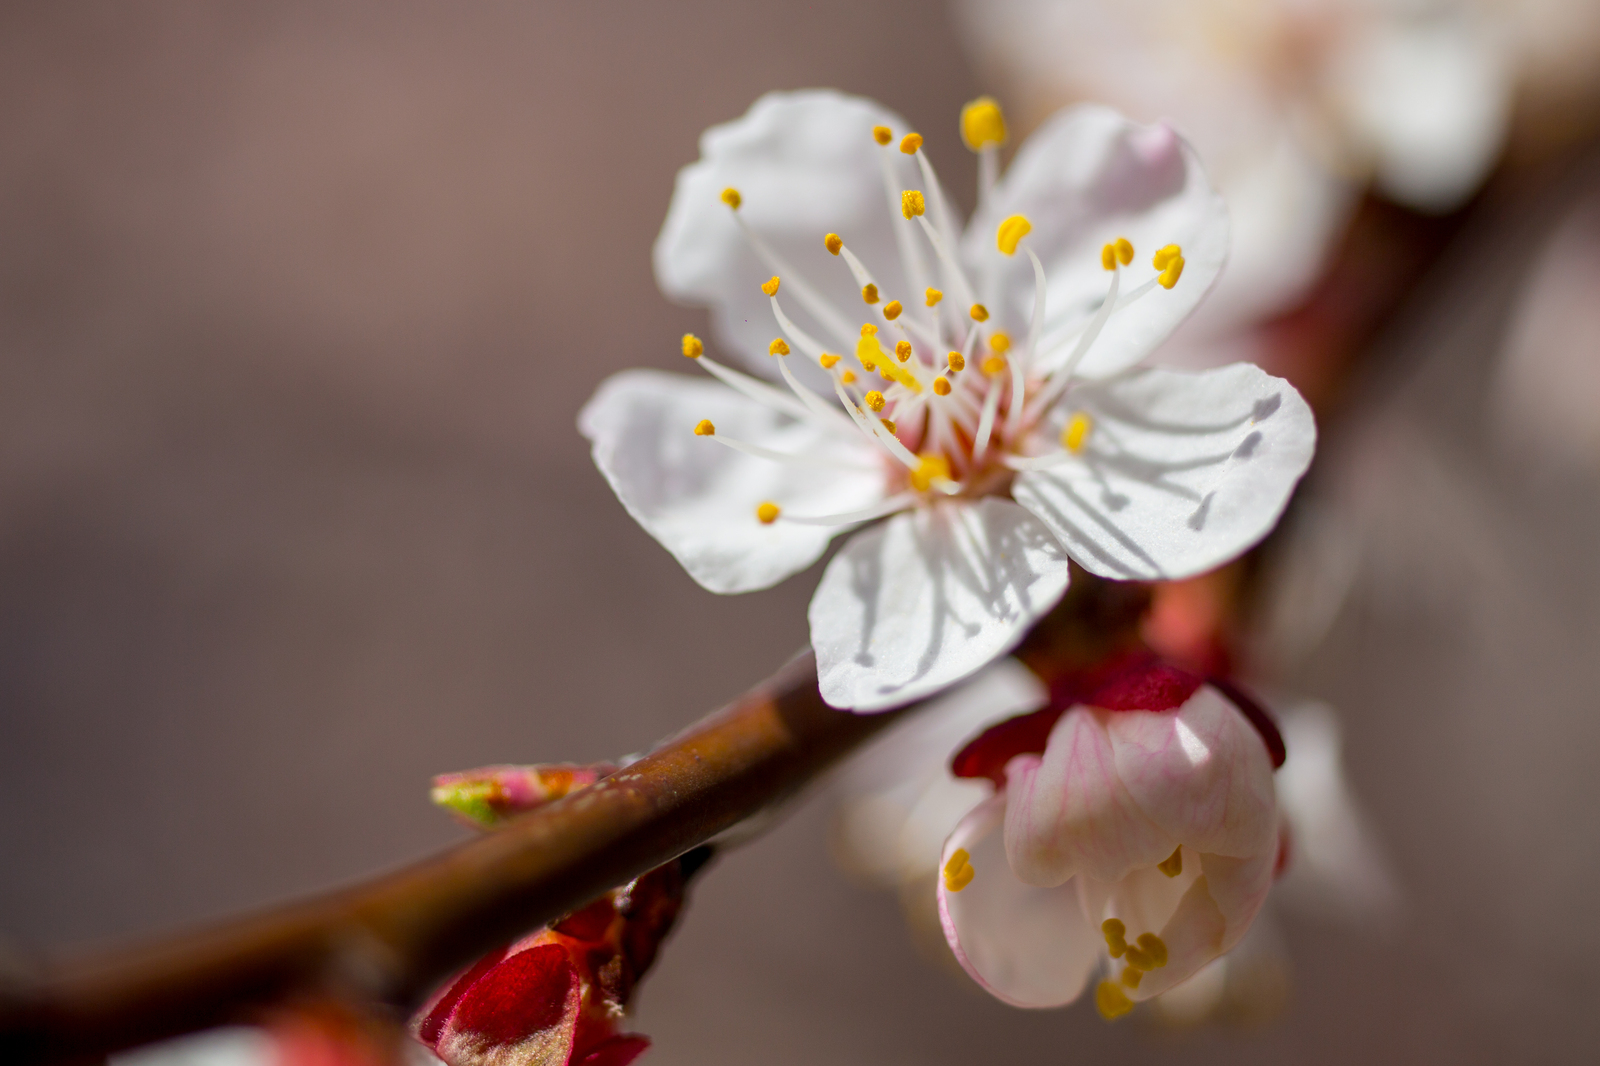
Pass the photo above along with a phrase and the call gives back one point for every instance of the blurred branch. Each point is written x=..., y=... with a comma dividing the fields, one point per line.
x=392, y=940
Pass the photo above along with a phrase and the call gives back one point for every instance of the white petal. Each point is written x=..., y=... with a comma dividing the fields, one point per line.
x=1181, y=472
x=1028, y=946
x=927, y=598
x=805, y=165
x=1213, y=915
x=1089, y=176
x=699, y=498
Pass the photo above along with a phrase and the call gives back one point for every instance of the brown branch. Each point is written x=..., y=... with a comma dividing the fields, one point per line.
x=393, y=939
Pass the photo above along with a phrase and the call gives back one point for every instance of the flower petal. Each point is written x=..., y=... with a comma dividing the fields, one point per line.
x=927, y=598
x=1028, y=946
x=805, y=164
x=1213, y=915
x=1087, y=177
x=1180, y=473
x=699, y=498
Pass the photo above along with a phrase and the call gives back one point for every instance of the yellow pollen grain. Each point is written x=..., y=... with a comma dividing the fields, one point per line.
x=1108, y=256
x=1132, y=977
x=979, y=313
x=1169, y=277
x=992, y=365
x=704, y=428
x=731, y=197
x=768, y=513
x=874, y=400
x=827, y=359
x=1073, y=437
x=1011, y=231
x=888, y=424
x=882, y=134
x=957, y=361
x=1115, y=933
x=941, y=385
x=833, y=242
x=983, y=124
x=958, y=871
x=902, y=350
x=1111, y=1001
x=928, y=468
x=912, y=203
x=1172, y=865
x=933, y=296
x=869, y=293
x=910, y=143
x=770, y=286
x=778, y=347
x=1154, y=948
x=1124, y=251
x=848, y=376
x=693, y=347
x=1165, y=256
x=892, y=309
x=999, y=342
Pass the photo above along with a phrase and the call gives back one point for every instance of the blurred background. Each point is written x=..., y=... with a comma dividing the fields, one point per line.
x=298, y=304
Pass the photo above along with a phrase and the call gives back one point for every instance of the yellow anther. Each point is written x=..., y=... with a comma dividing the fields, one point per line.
x=1010, y=232
x=941, y=385
x=1165, y=256
x=892, y=309
x=833, y=242
x=1169, y=277
x=1115, y=933
x=1108, y=256
x=704, y=428
x=731, y=197
x=912, y=204
x=1073, y=437
x=999, y=342
x=958, y=871
x=1172, y=865
x=992, y=365
x=983, y=124
x=929, y=468
x=1132, y=977
x=693, y=347
x=933, y=296
x=868, y=329
x=869, y=293
x=768, y=513
x=902, y=350
x=770, y=286
x=957, y=361
x=1124, y=251
x=827, y=359
x=779, y=346
x=910, y=143
x=979, y=313
x=1154, y=948
x=847, y=376
x=882, y=134
x=888, y=424
x=867, y=351
x=1111, y=1001
x=874, y=400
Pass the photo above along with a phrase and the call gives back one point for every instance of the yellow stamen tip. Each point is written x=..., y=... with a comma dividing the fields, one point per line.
x=1155, y=949
x=928, y=468
x=882, y=134
x=778, y=347
x=888, y=424
x=1169, y=277
x=979, y=313
x=902, y=350
x=933, y=296
x=868, y=329
x=693, y=347
x=1108, y=256
x=1111, y=1001
x=892, y=309
x=1010, y=232
x=848, y=377
x=1132, y=977
x=869, y=293
x=731, y=197
x=1000, y=342
x=983, y=124
x=941, y=386
x=958, y=871
x=1124, y=251
x=768, y=513
x=874, y=400
x=1115, y=933
x=770, y=286
x=910, y=143
x=912, y=203
x=827, y=359
x=957, y=361
x=1165, y=256
x=992, y=365
x=1172, y=865
x=1073, y=438
x=704, y=428
x=833, y=242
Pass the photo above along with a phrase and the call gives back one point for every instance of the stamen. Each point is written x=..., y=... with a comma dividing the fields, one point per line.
x=1149, y=952
x=828, y=359
x=1165, y=256
x=1131, y=977
x=848, y=376
x=930, y=470
x=1111, y=1001
x=991, y=405
x=1062, y=377
x=1172, y=865
x=778, y=347
x=770, y=286
x=913, y=204
x=882, y=134
x=891, y=310
x=941, y=386
x=820, y=306
x=704, y=428
x=833, y=242
x=869, y=294
x=979, y=313
x=871, y=425
x=983, y=124
x=894, y=503
x=768, y=513
x=993, y=365
x=956, y=361
x=910, y=143
x=1010, y=232
x=731, y=197
x=1108, y=256
x=1000, y=342
x=761, y=392
x=874, y=400
x=1073, y=438
x=933, y=296
x=1115, y=933
x=958, y=872
x=888, y=424
x=902, y=350
x=693, y=347
x=771, y=455
x=1124, y=251
x=1169, y=277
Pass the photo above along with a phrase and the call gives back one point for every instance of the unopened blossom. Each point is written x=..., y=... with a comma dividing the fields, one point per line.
x=1134, y=835
x=974, y=388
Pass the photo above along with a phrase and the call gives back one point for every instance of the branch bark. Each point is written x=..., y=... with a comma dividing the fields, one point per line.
x=393, y=939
